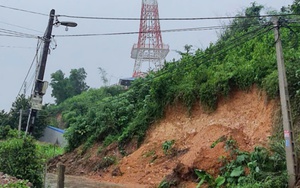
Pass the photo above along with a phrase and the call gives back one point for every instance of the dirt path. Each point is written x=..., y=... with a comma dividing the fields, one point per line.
x=81, y=182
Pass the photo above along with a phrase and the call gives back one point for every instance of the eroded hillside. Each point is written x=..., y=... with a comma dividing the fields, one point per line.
x=246, y=117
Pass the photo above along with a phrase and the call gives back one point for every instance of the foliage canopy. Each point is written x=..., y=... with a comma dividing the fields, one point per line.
x=66, y=87
x=11, y=119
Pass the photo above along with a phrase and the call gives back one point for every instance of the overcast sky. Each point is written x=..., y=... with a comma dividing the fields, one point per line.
x=112, y=53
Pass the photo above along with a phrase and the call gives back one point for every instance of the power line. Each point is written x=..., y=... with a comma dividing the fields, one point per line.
x=231, y=45
x=137, y=32
x=164, y=19
x=20, y=27
x=178, y=19
x=35, y=56
x=23, y=47
x=12, y=33
x=7, y=35
x=38, y=47
x=23, y=10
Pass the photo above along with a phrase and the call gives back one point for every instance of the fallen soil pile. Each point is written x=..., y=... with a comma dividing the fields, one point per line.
x=246, y=117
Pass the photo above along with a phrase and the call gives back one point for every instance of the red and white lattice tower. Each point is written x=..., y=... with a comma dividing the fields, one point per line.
x=150, y=48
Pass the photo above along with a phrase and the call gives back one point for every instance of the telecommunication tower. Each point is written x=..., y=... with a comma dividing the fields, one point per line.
x=150, y=48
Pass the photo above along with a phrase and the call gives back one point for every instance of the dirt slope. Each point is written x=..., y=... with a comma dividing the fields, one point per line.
x=247, y=117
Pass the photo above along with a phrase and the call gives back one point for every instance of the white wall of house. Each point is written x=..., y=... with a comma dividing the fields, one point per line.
x=54, y=135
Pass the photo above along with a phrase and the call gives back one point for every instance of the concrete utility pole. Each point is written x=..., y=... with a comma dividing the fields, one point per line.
x=20, y=122
x=40, y=86
x=291, y=159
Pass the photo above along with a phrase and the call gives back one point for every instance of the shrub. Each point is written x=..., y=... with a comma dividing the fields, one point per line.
x=259, y=168
x=18, y=184
x=167, y=147
x=4, y=132
x=19, y=158
x=270, y=84
x=105, y=162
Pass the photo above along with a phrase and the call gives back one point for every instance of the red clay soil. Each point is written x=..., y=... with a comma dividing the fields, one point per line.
x=246, y=117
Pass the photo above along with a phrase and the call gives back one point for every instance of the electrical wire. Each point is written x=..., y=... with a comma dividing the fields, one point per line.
x=36, y=55
x=19, y=34
x=232, y=44
x=137, y=32
x=167, y=19
x=178, y=19
x=20, y=27
x=249, y=32
x=11, y=33
x=6, y=35
x=15, y=33
x=239, y=41
x=235, y=45
x=23, y=47
x=23, y=10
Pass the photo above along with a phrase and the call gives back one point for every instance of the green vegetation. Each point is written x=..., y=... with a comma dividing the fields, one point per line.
x=166, y=184
x=18, y=184
x=243, y=57
x=152, y=155
x=66, y=87
x=11, y=119
x=167, y=147
x=105, y=162
x=205, y=177
x=4, y=131
x=23, y=157
x=48, y=151
x=259, y=168
x=84, y=116
x=20, y=158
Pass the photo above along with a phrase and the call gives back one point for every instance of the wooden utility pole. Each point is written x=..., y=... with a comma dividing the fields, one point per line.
x=291, y=159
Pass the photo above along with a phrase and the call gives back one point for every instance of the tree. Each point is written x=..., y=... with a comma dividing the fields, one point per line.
x=14, y=115
x=4, y=118
x=239, y=25
x=64, y=87
x=187, y=50
x=59, y=86
x=21, y=103
x=103, y=75
x=77, y=81
x=295, y=7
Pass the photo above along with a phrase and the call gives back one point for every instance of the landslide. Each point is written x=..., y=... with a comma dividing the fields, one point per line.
x=228, y=90
x=246, y=116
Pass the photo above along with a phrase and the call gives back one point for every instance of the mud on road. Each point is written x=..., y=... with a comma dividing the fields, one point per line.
x=82, y=182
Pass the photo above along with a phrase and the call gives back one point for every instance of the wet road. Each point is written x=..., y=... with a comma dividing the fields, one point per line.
x=80, y=182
